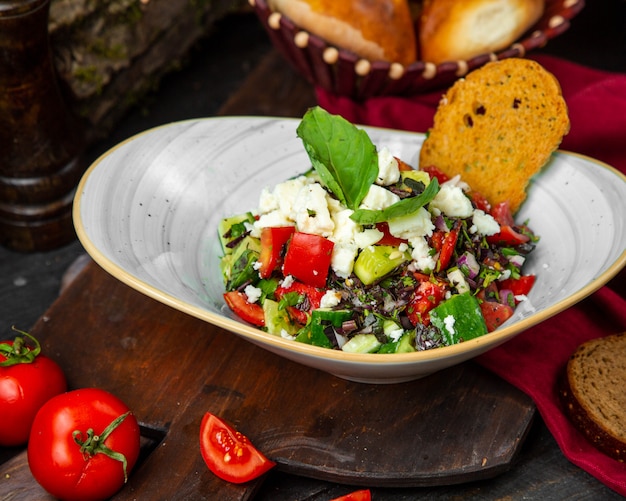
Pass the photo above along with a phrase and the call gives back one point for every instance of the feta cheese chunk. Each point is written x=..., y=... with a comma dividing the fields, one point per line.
x=417, y=224
x=388, y=170
x=253, y=293
x=329, y=299
x=379, y=198
x=311, y=211
x=342, y=259
x=452, y=202
x=484, y=223
x=422, y=259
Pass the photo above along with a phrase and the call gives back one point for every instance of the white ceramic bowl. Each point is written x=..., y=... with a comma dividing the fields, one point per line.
x=147, y=212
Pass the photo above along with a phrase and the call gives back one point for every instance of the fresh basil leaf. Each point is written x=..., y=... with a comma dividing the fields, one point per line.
x=343, y=155
x=402, y=208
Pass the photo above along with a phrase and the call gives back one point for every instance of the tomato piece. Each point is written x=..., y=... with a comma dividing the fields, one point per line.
x=427, y=295
x=28, y=380
x=518, y=286
x=250, y=312
x=83, y=445
x=228, y=453
x=435, y=172
x=494, y=312
x=508, y=236
x=308, y=258
x=444, y=242
x=360, y=495
x=273, y=240
x=313, y=298
x=480, y=202
x=388, y=238
x=502, y=214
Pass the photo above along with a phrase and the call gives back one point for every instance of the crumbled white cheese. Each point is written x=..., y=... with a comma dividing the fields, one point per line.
x=379, y=198
x=395, y=334
x=484, y=223
x=417, y=224
x=329, y=299
x=421, y=254
x=345, y=228
x=252, y=293
x=367, y=237
x=342, y=259
x=388, y=171
x=311, y=211
x=274, y=218
x=448, y=323
x=452, y=202
x=288, y=192
x=287, y=281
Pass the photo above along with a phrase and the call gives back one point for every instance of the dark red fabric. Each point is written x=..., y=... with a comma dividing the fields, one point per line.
x=534, y=360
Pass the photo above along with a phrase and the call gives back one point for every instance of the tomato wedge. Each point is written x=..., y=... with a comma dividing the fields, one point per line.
x=444, y=242
x=250, y=312
x=308, y=258
x=273, y=240
x=360, y=495
x=228, y=453
x=518, y=286
x=494, y=312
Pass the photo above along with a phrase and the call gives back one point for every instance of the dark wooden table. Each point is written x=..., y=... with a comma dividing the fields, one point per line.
x=233, y=74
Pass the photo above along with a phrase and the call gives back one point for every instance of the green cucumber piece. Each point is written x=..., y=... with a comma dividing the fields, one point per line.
x=376, y=261
x=277, y=320
x=406, y=344
x=362, y=343
x=234, y=223
x=459, y=318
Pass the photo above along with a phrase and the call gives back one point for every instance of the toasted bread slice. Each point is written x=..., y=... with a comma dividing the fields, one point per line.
x=497, y=128
x=594, y=395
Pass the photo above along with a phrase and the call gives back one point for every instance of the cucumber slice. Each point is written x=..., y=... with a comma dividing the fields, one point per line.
x=459, y=318
x=362, y=343
x=230, y=225
x=277, y=320
x=376, y=261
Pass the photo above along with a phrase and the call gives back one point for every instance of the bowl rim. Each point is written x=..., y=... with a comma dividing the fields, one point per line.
x=258, y=336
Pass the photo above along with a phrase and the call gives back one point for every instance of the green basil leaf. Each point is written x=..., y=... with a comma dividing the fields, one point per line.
x=343, y=155
x=404, y=207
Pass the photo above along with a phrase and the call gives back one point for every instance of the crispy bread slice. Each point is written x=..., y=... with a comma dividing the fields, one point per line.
x=497, y=128
x=594, y=395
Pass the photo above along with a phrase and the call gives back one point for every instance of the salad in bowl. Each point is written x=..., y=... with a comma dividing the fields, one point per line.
x=363, y=253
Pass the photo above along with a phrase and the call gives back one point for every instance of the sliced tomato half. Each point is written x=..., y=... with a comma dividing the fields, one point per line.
x=228, y=453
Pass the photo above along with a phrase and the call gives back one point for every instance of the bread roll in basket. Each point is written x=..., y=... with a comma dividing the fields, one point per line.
x=341, y=51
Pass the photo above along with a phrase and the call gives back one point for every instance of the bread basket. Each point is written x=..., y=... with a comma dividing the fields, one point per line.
x=344, y=73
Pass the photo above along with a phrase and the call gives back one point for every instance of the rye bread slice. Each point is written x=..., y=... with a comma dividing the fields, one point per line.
x=593, y=393
x=497, y=128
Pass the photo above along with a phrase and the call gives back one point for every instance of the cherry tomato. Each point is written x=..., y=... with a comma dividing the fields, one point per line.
x=228, y=453
x=83, y=445
x=360, y=495
x=308, y=258
x=518, y=286
x=250, y=312
x=273, y=240
x=27, y=380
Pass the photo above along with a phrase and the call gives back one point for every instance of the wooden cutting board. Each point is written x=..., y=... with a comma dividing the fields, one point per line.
x=458, y=425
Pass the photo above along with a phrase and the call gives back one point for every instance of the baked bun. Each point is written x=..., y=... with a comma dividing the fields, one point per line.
x=594, y=395
x=380, y=30
x=497, y=128
x=451, y=30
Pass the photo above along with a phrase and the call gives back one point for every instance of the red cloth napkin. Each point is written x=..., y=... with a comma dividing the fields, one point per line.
x=534, y=360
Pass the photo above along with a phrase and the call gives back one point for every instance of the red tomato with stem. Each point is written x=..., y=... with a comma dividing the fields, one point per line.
x=28, y=380
x=83, y=445
x=228, y=453
x=308, y=258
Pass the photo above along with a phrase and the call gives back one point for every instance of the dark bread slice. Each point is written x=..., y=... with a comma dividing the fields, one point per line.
x=593, y=393
x=497, y=128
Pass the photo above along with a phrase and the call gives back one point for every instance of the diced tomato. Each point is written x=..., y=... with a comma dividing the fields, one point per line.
x=494, y=312
x=228, y=453
x=427, y=295
x=250, y=312
x=402, y=165
x=435, y=172
x=480, y=201
x=502, y=214
x=388, y=238
x=444, y=242
x=519, y=286
x=313, y=299
x=360, y=495
x=308, y=258
x=273, y=240
x=508, y=236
